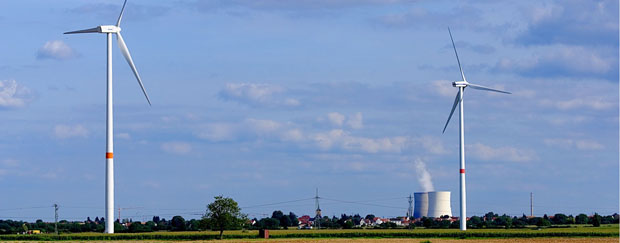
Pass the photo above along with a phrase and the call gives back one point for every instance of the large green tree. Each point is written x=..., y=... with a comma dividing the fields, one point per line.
x=224, y=214
x=581, y=219
x=177, y=223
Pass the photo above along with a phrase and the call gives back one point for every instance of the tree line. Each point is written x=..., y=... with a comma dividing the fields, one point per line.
x=225, y=214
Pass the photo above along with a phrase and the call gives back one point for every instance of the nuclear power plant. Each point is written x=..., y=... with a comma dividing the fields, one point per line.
x=432, y=204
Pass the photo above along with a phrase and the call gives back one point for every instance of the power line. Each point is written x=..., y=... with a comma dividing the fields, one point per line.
x=24, y=208
x=276, y=203
x=361, y=203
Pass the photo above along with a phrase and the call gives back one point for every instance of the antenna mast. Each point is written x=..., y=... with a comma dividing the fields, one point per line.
x=55, y=218
x=317, y=217
x=531, y=204
x=410, y=209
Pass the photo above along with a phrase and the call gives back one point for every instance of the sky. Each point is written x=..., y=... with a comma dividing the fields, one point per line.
x=265, y=101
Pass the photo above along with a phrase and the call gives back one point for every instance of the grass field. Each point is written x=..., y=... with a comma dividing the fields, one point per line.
x=604, y=232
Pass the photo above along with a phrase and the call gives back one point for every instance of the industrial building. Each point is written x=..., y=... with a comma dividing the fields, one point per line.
x=432, y=204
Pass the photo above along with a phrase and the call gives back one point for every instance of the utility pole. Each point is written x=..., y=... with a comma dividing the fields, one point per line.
x=531, y=204
x=119, y=212
x=410, y=209
x=317, y=217
x=55, y=218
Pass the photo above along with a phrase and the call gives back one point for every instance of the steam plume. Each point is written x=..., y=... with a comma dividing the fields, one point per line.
x=424, y=178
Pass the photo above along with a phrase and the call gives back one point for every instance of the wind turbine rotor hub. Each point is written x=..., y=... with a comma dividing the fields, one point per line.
x=459, y=84
x=109, y=29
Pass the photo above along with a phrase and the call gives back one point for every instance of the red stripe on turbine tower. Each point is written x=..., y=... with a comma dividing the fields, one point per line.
x=462, y=171
x=109, y=155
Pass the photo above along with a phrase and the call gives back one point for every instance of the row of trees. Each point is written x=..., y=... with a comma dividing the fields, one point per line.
x=491, y=220
x=225, y=214
x=177, y=223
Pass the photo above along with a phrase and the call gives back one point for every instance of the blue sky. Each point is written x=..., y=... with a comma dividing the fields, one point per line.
x=264, y=101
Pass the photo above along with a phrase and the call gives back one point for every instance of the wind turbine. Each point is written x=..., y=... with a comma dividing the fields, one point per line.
x=109, y=186
x=459, y=101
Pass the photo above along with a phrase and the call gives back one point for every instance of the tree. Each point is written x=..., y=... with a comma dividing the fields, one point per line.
x=356, y=219
x=370, y=216
x=489, y=216
x=581, y=219
x=475, y=222
x=177, y=223
x=224, y=214
x=137, y=227
x=427, y=222
x=277, y=214
x=269, y=223
x=543, y=222
x=596, y=220
x=294, y=220
x=560, y=218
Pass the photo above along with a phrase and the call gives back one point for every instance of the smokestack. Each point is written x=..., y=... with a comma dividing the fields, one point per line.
x=439, y=204
x=421, y=204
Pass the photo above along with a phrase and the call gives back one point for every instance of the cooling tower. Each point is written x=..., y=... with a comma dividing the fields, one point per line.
x=439, y=204
x=421, y=204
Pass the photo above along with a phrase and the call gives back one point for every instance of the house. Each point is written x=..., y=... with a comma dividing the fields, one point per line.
x=305, y=222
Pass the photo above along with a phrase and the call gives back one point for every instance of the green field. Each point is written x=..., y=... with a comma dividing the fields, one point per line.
x=603, y=231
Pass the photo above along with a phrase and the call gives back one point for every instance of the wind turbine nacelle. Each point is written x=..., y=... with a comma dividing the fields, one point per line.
x=109, y=29
x=459, y=84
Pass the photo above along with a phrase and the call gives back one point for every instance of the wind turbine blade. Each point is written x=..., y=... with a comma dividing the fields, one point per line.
x=91, y=30
x=457, y=55
x=456, y=102
x=125, y=51
x=118, y=22
x=480, y=87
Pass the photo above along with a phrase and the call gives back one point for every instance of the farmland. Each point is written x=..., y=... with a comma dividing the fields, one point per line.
x=605, y=232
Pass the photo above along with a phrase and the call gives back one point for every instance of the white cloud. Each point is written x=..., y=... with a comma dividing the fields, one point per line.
x=123, y=135
x=335, y=118
x=356, y=121
x=596, y=103
x=13, y=94
x=570, y=143
x=56, y=49
x=273, y=131
x=292, y=135
x=563, y=61
x=257, y=95
x=177, y=147
x=217, y=132
x=263, y=126
x=512, y=154
x=68, y=131
x=10, y=163
x=430, y=144
x=340, y=139
x=444, y=88
x=292, y=102
x=150, y=184
x=588, y=145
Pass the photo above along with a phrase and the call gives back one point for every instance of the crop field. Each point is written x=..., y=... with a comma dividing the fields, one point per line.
x=603, y=233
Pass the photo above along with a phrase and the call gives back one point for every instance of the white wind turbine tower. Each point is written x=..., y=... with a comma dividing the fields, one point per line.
x=109, y=188
x=459, y=100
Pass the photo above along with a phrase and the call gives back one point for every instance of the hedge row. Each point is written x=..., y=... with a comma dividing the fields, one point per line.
x=444, y=234
x=361, y=234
